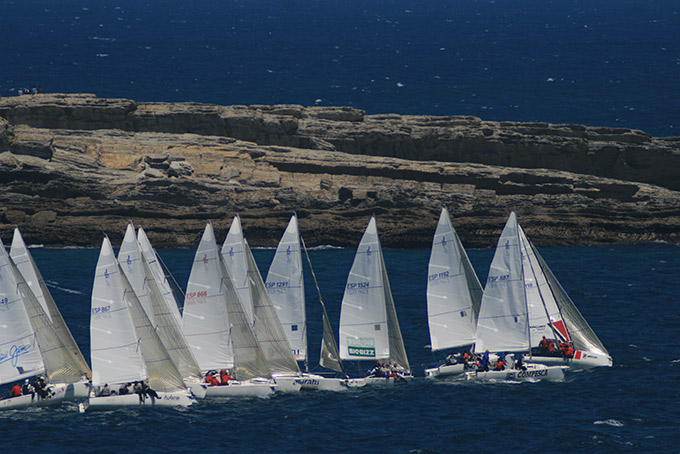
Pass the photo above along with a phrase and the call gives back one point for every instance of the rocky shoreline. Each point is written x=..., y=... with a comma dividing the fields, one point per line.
x=74, y=167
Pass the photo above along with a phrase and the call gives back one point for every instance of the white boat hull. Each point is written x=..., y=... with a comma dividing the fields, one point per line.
x=62, y=393
x=580, y=361
x=445, y=371
x=166, y=399
x=287, y=383
x=403, y=378
x=248, y=388
x=533, y=372
x=198, y=390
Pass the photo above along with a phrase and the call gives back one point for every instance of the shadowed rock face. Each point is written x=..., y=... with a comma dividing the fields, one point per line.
x=77, y=166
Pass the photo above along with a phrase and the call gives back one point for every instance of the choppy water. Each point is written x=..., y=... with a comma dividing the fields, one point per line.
x=627, y=293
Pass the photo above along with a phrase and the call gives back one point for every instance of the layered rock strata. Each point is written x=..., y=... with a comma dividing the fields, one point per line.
x=76, y=166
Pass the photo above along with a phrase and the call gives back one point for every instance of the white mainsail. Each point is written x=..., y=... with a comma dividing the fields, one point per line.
x=170, y=290
x=368, y=325
x=453, y=290
x=130, y=259
x=125, y=346
x=286, y=288
x=216, y=324
x=29, y=271
x=115, y=351
x=19, y=353
x=205, y=321
x=233, y=253
x=503, y=323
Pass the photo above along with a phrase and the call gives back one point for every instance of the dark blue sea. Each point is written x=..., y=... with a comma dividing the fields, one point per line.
x=628, y=294
x=595, y=62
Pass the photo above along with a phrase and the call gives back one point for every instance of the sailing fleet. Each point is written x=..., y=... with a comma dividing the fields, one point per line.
x=153, y=345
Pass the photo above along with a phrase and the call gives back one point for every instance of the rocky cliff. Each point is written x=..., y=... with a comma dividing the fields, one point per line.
x=76, y=166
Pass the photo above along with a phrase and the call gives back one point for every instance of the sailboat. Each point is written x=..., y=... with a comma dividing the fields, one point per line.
x=454, y=296
x=125, y=347
x=503, y=321
x=161, y=312
x=286, y=288
x=218, y=329
x=553, y=316
x=30, y=346
x=369, y=329
x=247, y=279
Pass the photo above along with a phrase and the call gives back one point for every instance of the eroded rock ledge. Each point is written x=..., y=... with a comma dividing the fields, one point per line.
x=76, y=166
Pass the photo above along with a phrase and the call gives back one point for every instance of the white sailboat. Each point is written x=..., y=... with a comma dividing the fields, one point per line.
x=369, y=329
x=125, y=348
x=160, y=311
x=218, y=329
x=553, y=316
x=503, y=322
x=286, y=288
x=454, y=296
x=266, y=325
x=30, y=345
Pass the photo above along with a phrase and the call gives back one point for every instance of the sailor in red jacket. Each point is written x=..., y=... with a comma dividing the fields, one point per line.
x=16, y=391
x=211, y=381
x=225, y=377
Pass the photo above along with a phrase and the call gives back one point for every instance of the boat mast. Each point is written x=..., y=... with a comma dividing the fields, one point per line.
x=333, y=343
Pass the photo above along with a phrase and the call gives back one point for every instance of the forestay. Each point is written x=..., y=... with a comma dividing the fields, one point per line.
x=453, y=290
x=286, y=289
x=75, y=362
x=503, y=323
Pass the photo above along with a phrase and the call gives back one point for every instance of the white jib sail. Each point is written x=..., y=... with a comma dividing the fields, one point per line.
x=29, y=270
x=267, y=326
x=363, y=319
x=19, y=353
x=503, y=323
x=286, y=288
x=168, y=329
x=450, y=290
x=152, y=259
x=115, y=349
x=233, y=252
x=544, y=316
x=205, y=321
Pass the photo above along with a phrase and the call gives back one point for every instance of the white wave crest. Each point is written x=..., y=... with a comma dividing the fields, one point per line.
x=610, y=422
